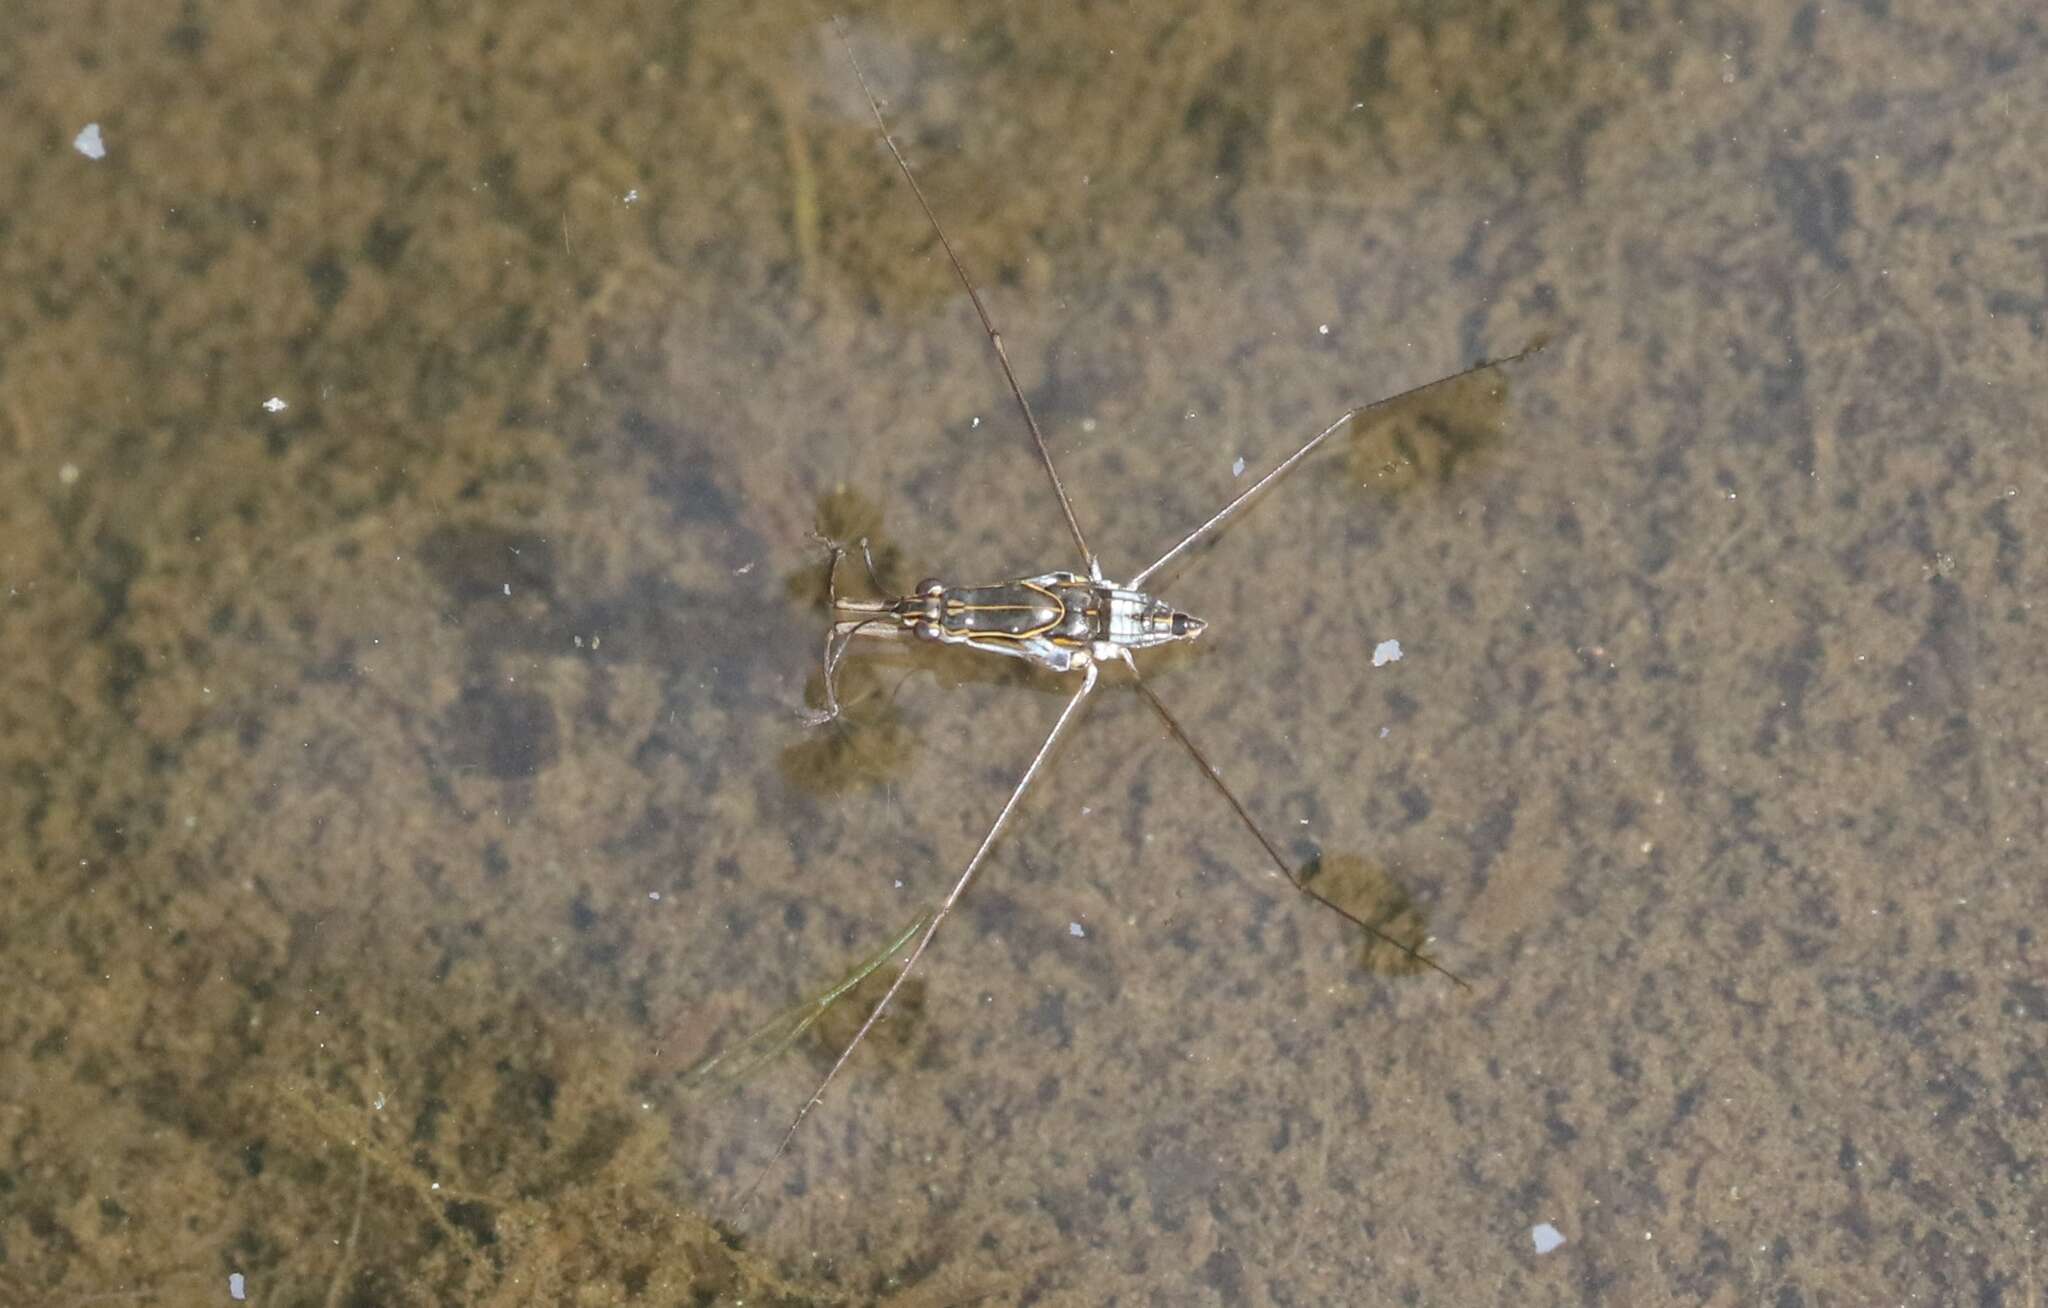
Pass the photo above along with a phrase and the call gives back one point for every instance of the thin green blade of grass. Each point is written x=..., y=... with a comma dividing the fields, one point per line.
x=737, y=1063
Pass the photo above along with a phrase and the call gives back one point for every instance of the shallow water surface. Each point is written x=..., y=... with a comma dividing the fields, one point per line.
x=417, y=418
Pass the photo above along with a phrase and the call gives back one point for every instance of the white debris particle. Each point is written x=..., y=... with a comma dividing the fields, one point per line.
x=1237, y=468
x=1323, y=330
x=275, y=404
x=1545, y=1236
x=88, y=142
x=1074, y=929
x=1385, y=732
x=1387, y=651
x=632, y=195
x=972, y=425
x=238, y=1289
x=67, y=475
x=508, y=588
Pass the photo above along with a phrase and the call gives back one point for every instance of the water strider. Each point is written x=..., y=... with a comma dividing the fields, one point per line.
x=1068, y=622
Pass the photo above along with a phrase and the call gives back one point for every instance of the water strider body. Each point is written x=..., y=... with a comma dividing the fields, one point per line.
x=1066, y=622
x=1051, y=620
x=1061, y=621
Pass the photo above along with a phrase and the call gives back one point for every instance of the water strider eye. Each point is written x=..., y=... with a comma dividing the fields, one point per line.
x=1180, y=624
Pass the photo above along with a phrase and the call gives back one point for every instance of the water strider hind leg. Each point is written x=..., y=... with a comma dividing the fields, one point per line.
x=1244, y=498
x=1273, y=851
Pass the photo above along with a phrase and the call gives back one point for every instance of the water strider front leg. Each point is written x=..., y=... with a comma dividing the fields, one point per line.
x=874, y=577
x=834, y=552
x=877, y=618
x=837, y=638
